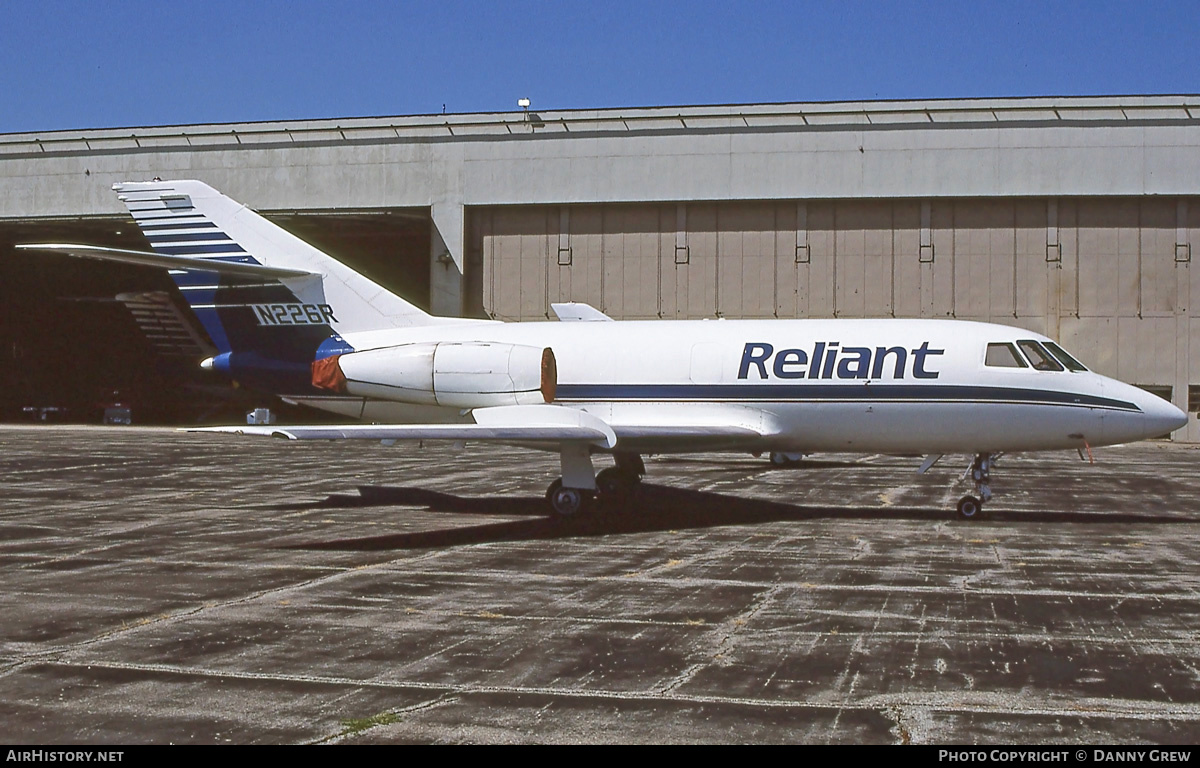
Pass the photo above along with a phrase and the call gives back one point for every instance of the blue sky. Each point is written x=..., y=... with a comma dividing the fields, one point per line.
x=66, y=65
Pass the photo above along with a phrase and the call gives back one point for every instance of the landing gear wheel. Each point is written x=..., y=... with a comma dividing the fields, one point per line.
x=567, y=502
x=980, y=473
x=970, y=508
x=616, y=486
x=631, y=464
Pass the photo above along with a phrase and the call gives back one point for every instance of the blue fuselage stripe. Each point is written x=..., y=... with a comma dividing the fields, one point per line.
x=818, y=393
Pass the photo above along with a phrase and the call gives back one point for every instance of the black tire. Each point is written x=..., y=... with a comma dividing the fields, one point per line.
x=783, y=459
x=615, y=486
x=567, y=502
x=970, y=508
x=631, y=464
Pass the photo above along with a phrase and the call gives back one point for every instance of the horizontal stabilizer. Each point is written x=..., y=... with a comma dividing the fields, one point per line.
x=512, y=423
x=166, y=261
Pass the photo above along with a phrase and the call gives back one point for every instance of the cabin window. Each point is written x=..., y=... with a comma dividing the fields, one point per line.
x=1064, y=357
x=1003, y=356
x=1039, y=358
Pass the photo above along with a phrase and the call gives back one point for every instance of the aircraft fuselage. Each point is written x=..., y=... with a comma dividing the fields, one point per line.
x=897, y=386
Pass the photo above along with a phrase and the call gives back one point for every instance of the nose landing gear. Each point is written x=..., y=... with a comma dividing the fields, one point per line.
x=971, y=507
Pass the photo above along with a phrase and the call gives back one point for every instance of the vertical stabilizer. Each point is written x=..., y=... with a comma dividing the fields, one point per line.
x=190, y=218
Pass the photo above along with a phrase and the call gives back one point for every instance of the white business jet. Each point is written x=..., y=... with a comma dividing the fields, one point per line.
x=285, y=317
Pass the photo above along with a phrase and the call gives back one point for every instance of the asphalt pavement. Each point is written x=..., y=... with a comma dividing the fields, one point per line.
x=166, y=587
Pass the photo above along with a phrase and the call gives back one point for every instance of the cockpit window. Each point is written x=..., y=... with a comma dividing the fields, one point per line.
x=1063, y=357
x=1003, y=356
x=1039, y=358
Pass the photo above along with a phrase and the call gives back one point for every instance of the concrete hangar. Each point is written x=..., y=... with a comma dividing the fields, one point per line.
x=1074, y=217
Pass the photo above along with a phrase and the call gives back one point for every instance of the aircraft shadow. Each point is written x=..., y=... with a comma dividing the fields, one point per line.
x=655, y=509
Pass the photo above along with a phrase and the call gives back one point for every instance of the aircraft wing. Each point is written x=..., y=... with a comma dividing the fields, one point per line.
x=523, y=423
x=709, y=437
x=521, y=433
x=151, y=259
x=511, y=423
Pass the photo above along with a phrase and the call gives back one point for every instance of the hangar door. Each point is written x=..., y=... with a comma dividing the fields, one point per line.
x=69, y=345
x=1112, y=278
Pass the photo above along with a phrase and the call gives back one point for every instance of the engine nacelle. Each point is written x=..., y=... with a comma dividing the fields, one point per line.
x=473, y=374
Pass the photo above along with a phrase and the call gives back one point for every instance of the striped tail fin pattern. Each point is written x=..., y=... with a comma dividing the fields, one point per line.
x=266, y=328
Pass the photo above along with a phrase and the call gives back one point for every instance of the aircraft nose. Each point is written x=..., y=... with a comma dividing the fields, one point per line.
x=1154, y=416
x=1161, y=417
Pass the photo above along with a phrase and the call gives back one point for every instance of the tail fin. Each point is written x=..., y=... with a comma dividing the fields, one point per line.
x=190, y=218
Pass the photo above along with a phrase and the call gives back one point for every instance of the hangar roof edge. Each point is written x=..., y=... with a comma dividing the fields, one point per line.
x=851, y=114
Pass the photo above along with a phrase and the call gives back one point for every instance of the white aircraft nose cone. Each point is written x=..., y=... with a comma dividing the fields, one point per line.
x=1153, y=417
x=1161, y=417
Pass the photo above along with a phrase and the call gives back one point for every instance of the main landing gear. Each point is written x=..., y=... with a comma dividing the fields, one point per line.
x=785, y=458
x=971, y=507
x=568, y=502
x=579, y=489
